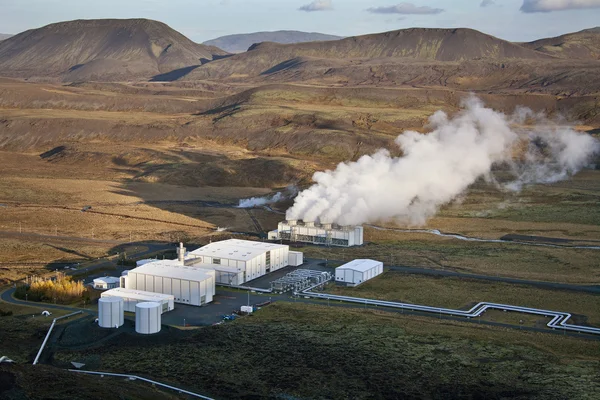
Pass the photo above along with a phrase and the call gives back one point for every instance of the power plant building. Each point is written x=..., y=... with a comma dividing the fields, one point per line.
x=358, y=271
x=187, y=284
x=236, y=262
x=131, y=297
x=315, y=233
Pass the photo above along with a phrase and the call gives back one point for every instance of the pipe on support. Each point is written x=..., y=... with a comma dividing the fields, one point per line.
x=558, y=321
x=49, y=332
x=133, y=377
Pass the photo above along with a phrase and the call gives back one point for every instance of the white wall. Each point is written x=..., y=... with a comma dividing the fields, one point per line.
x=185, y=291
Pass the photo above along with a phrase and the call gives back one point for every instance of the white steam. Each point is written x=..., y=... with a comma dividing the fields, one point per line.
x=439, y=166
x=289, y=192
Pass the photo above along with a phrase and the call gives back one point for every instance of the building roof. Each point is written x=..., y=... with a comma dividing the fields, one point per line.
x=173, y=269
x=136, y=295
x=107, y=279
x=360, y=265
x=235, y=249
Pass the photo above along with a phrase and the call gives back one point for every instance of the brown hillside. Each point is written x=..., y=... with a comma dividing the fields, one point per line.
x=108, y=49
x=414, y=43
x=583, y=45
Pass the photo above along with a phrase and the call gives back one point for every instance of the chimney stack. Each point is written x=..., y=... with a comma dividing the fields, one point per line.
x=181, y=253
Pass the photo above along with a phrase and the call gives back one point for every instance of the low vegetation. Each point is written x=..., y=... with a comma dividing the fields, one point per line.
x=464, y=293
x=304, y=351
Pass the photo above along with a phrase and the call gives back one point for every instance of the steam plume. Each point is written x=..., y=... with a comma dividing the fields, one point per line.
x=289, y=192
x=439, y=166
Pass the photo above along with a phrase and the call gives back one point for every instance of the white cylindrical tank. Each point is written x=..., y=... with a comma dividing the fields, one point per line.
x=110, y=312
x=147, y=317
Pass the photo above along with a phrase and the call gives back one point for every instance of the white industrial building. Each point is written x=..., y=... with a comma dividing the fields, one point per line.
x=107, y=282
x=311, y=232
x=131, y=297
x=239, y=261
x=188, y=285
x=358, y=271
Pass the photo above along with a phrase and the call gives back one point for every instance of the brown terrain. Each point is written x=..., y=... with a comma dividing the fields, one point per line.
x=101, y=50
x=162, y=137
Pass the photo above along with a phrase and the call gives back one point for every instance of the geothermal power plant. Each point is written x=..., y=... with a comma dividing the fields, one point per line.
x=316, y=233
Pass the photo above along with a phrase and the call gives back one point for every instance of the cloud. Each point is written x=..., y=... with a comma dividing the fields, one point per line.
x=533, y=6
x=405, y=8
x=317, y=5
x=487, y=3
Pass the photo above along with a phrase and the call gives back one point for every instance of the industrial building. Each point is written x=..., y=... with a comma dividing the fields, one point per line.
x=188, y=285
x=107, y=282
x=358, y=271
x=311, y=232
x=131, y=297
x=239, y=261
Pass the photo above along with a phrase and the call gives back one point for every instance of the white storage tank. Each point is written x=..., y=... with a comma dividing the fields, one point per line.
x=110, y=312
x=147, y=317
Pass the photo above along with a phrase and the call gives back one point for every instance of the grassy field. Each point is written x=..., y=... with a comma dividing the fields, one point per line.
x=301, y=351
x=496, y=259
x=462, y=293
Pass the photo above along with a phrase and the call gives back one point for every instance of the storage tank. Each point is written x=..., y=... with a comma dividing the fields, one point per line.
x=147, y=317
x=110, y=312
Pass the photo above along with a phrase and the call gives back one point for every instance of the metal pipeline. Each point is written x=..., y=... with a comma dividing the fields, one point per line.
x=558, y=321
x=133, y=377
x=49, y=332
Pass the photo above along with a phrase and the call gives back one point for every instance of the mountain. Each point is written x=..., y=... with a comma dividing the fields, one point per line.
x=584, y=45
x=4, y=36
x=106, y=49
x=408, y=44
x=241, y=42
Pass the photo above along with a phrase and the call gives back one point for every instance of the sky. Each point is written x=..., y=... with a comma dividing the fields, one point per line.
x=201, y=20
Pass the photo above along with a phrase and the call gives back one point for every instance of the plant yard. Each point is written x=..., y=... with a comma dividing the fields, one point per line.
x=306, y=351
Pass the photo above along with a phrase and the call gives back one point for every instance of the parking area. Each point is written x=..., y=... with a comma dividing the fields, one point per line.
x=225, y=301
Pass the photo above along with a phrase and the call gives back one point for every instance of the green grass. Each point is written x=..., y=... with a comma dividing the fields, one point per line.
x=306, y=351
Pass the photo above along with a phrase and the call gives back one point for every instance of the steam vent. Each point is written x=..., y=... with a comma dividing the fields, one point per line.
x=315, y=233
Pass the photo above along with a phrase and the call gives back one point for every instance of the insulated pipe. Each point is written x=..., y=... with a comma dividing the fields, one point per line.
x=49, y=332
x=133, y=377
x=558, y=321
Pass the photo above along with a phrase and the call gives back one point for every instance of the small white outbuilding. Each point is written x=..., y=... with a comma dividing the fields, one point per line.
x=107, y=282
x=296, y=258
x=358, y=271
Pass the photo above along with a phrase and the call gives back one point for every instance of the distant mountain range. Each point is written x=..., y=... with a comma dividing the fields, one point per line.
x=466, y=59
x=4, y=36
x=241, y=42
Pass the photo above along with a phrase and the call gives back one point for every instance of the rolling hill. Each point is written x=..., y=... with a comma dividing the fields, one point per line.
x=440, y=45
x=4, y=36
x=241, y=42
x=584, y=45
x=108, y=49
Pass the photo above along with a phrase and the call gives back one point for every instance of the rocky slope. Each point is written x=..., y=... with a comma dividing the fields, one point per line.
x=108, y=49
